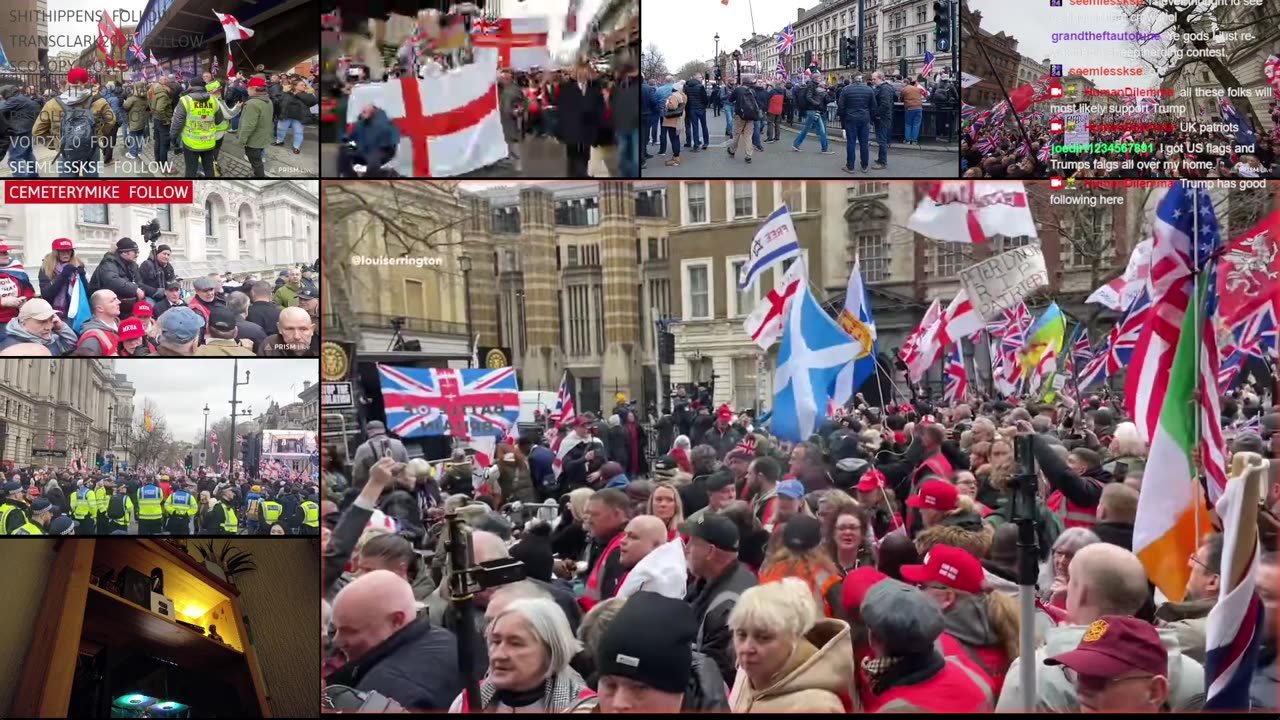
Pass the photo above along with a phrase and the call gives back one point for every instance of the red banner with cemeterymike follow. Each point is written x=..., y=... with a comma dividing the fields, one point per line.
x=98, y=191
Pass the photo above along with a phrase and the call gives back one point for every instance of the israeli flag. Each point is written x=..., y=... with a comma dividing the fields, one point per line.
x=815, y=349
x=78, y=311
x=775, y=241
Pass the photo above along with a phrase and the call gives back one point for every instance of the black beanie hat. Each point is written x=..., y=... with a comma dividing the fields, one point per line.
x=650, y=641
x=126, y=244
x=161, y=248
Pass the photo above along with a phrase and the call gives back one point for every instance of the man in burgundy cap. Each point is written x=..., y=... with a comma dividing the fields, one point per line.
x=1120, y=665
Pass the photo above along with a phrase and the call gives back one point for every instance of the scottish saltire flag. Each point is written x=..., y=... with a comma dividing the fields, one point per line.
x=957, y=380
x=444, y=401
x=775, y=241
x=1234, y=630
x=1245, y=140
x=786, y=39
x=4, y=59
x=815, y=349
x=927, y=70
x=856, y=320
x=78, y=310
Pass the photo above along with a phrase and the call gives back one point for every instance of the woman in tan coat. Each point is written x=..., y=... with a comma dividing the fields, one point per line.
x=789, y=660
x=671, y=116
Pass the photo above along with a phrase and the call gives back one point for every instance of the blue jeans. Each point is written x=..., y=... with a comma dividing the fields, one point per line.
x=652, y=128
x=914, y=118
x=813, y=119
x=283, y=132
x=756, y=127
x=134, y=141
x=882, y=143
x=694, y=120
x=858, y=131
x=22, y=160
x=672, y=134
x=728, y=118
x=629, y=153
x=235, y=123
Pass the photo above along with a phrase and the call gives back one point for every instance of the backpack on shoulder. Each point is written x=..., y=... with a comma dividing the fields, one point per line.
x=78, y=137
x=115, y=507
x=747, y=108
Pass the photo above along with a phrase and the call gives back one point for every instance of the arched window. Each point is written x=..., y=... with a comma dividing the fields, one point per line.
x=208, y=217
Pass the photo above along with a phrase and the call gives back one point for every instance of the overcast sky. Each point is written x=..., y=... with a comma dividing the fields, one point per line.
x=555, y=10
x=684, y=30
x=1035, y=20
x=123, y=12
x=180, y=388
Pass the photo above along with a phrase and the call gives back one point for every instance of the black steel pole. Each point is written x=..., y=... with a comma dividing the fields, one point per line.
x=466, y=291
x=862, y=25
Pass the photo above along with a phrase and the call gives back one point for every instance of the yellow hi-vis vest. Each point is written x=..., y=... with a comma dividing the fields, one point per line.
x=181, y=503
x=311, y=517
x=150, y=503
x=84, y=504
x=5, y=509
x=271, y=511
x=230, y=524
x=198, y=132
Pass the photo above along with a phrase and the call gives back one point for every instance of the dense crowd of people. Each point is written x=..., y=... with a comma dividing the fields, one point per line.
x=871, y=568
x=1118, y=151
x=127, y=309
x=43, y=500
x=85, y=123
x=755, y=110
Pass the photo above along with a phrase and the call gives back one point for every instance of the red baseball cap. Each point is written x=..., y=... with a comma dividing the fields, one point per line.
x=1114, y=645
x=143, y=309
x=77, y=76
x=871, y=480
x=724, y=413
x=131, y=329
x=257, y=82
x=950, y=566
x=935, y=495
x=856, y=584
x=63, y=244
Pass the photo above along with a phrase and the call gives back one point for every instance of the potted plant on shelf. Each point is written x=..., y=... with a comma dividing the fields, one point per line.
x=228, y=562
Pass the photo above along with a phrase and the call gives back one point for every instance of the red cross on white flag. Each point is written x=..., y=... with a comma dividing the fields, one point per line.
x=233, y=28
x=521, y=43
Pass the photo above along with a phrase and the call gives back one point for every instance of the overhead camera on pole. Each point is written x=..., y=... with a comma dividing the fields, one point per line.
x=151, y=232
x=466, y=578
x=1025, y=484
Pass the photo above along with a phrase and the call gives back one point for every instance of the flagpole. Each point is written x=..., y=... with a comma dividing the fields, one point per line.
x=1196, y=459
x=974, y=33
x=753, y=17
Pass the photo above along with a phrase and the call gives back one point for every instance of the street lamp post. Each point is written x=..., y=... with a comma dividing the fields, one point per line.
x=717, y=55
x=206, y=432
x=235, y=385
x=464, y=264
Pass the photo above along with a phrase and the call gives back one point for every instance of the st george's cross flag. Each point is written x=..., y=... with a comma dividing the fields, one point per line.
x=971, y=211
x=233, y=28
x=449, y=125
x=764, y=324
x=521, y=43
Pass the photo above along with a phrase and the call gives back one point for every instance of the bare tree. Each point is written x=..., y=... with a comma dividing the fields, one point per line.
x=1201, y=20
x=356, y=214
x=152, y=446
x=691, y=68
x=652, y=62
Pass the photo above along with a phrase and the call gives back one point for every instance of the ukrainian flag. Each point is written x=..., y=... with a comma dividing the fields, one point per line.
x=1048, y=333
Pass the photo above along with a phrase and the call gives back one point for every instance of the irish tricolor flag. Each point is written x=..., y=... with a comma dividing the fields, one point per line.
x=1171, y=509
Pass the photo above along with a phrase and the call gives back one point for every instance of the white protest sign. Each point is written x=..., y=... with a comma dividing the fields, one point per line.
x=1000, y=282
x=967, y=80
x=1075, y=128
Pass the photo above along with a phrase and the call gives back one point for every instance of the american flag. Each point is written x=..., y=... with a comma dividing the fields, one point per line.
x=957, y=385
x=786, y=39
x=563, y=411
x=445, y=401
x=927, y=70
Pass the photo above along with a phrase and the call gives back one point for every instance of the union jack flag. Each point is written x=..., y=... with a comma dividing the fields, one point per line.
x=967, y=110
x=1256, y=333
x=485, y=26
x=214, y=70
x=563, y=411
x=1010, y=320
x=927, y=70
x=1043, y=155
x=1081, y=351
x=445, y=401
x=986, y=145
x=782, y=70
x=1124, y=336
x=213, y=438
x=786, y=39
x=957, y=379
x=1098, y=367
x=1233, y=359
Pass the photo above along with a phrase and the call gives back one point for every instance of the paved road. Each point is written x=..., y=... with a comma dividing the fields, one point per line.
x=543, y=158
x=778, y=160
x=280, y=162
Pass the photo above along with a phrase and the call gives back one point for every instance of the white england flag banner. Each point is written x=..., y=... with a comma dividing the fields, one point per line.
x=967, y=80
x=520, y=42
x=1120, y=293
x=972, y=211
x=449, y=125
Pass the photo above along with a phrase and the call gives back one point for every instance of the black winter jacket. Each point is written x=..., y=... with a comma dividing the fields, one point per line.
x=155, y=276
x=119, y=276
x=395, y=668
x=715, y=639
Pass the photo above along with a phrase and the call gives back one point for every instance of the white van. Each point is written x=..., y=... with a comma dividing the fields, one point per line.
x=541, y=401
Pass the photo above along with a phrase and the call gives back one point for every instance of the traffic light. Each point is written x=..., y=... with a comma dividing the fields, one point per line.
x=849, y=52
x=717, y=74
x=942, y=25
x=187, y=462
x=666, y=348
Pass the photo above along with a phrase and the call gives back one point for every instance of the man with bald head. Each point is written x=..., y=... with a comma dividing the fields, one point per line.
x=295, y=336
x=1103, y=580
x=643, y=535
x=101, y=332
x=389, y=649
